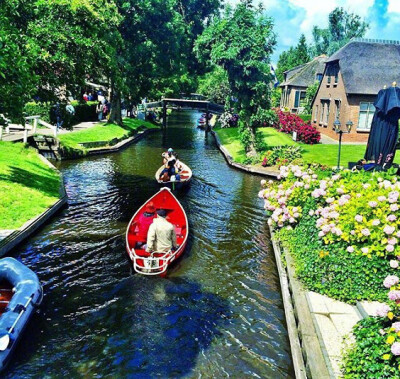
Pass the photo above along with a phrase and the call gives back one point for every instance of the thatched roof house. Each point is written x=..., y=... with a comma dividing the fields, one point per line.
x=352, y=78
x=298, y=79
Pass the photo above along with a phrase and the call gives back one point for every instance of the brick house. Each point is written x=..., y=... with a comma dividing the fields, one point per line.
x=297, y=80
x=352, y=78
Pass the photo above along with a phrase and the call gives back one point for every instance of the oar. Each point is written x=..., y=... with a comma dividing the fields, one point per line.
x=5, y=340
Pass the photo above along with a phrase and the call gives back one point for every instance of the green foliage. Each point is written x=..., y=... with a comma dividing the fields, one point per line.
x=241, y=42
x=264, y=118
x=330, y=269
x=245, y=136
x=365, y=359
x=293, y=57
x=343, y=26
x=305, y=117
x=215, y=85
x=38, y=109
x=282, y=155
x=310, y=94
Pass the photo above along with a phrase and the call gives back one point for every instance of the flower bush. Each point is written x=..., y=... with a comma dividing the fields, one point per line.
x=281, y=156
x=289, y=123
x=343, y=228
x=228, y=120
x=376, y=353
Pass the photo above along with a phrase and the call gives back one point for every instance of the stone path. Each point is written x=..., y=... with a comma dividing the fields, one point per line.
x=330, y=141
x=18, y=136
x=334, y=322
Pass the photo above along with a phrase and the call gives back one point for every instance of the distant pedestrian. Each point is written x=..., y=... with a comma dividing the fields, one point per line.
x=70, y=109
x=100, y=110
x=85, y=96
x=58, y=114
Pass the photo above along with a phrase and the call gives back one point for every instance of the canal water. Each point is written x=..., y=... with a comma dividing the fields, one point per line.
x=219, y=312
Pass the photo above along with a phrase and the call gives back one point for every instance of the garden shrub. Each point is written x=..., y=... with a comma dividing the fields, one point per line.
x=342, y=228
x=376, y=352
x=289, y=123
x=281, y=156
x=264, y=118
x=83, y=112
x=228, y=120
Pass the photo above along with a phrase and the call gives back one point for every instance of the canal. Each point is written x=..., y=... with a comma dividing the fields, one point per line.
x=219, y=312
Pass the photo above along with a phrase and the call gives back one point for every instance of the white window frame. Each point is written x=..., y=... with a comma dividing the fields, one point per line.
x=368, y=119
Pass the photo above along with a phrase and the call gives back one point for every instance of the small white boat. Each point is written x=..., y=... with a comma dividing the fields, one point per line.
x=185, y=175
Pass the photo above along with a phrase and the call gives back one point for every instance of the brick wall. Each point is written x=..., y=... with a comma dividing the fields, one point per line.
x=349, y=109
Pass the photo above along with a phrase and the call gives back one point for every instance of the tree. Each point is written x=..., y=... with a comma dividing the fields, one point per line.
x=295, y=56
x=343, y=26
x=310, y=94
x=241, y=42
x=215, y=85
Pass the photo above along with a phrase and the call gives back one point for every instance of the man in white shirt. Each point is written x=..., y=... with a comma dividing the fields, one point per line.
x=161, y=236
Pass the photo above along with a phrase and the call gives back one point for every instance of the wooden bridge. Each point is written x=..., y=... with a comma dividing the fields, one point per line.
x=203, y=105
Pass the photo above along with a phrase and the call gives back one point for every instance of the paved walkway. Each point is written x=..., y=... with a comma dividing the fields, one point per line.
x=330, y=141
x=19, y=136
x=335, y=321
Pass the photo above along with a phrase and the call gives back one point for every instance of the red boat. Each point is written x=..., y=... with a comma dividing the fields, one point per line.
x=157, y=263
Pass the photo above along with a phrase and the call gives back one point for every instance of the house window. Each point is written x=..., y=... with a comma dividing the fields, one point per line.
x=367, y=111
x=329, y=79
x=299, y=99
x=316, y=113
x=337, y=109
x=319, y=77
x=324, y=112
x=336, y=77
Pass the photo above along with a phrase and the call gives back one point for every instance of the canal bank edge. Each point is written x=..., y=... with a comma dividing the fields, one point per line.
x=321, y=326
x=239, y=166
x=115, y=148
x=26, y=230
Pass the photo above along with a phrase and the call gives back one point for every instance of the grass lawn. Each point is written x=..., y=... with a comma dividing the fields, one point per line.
x=103, y=132
x=324, y=154
x=27, y=185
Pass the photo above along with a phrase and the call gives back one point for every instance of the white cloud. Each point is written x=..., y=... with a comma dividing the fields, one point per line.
x=394, y=6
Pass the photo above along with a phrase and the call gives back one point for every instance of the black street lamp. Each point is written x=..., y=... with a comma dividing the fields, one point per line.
x=337, y=127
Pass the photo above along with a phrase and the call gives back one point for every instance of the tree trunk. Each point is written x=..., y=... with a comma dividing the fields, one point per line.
x=115, y=114
x=251, y=148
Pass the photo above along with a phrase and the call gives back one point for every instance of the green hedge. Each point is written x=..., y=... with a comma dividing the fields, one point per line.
x=305, y=117
x=83, y=112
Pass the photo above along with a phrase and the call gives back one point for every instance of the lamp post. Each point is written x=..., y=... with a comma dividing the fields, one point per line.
x=337, y=127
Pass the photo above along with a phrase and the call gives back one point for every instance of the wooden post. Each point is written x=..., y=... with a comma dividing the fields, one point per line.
x=164, y=114
x=25, y=135
x=207, y=121
x=35, y=122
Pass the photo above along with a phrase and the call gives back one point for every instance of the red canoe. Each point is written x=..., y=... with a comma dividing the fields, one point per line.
x=157, y=263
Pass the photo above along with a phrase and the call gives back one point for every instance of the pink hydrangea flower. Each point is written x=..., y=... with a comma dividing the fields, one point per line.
x=382, y=310
x=358, y=218
x=365, y=232
x=394, y=207
x=373, y=204
x=392, y=241
x=394, y=295
x=381, y=198
x=396, y=326
x=389, y=229
x=391, y=218
x=390, y=248
x=395, y=348
x=340, y=191
x=263, y=182
x=352, y=232
x=365, y=250
x=390, y=281
x=394, y=264
x=350, y=249
x=375, y=222
x=311, y=212
x=321, y=234
x=330, y=200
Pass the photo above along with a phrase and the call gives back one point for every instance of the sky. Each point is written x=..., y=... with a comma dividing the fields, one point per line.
x=294, y=17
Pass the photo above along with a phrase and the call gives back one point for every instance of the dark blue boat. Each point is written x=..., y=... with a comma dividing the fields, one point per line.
x=20, y=294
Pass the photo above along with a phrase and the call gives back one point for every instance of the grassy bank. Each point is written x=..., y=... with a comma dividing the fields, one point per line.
x=102, y=134
x=27, y=185
x=324, y=154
